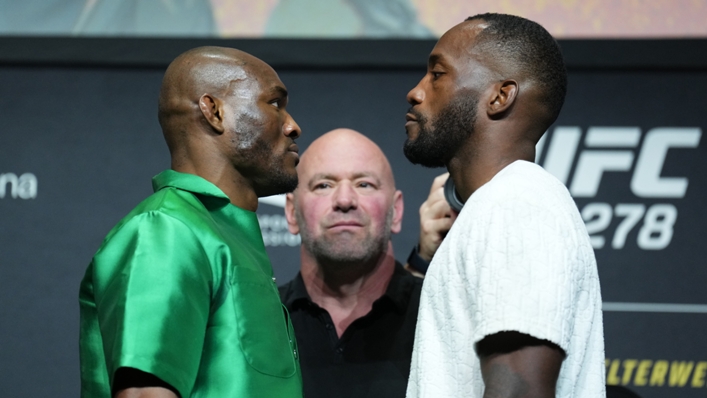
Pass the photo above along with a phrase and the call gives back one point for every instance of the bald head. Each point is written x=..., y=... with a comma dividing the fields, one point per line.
x=218, y=71
x=224, y=116
x=346, y=206
x=347, y=151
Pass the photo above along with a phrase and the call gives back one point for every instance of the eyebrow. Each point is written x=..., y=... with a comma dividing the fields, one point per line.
x=279, y=90
x=326, y=176
x=433, y=59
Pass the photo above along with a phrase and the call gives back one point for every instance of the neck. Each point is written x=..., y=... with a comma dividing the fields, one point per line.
x=219, y=172
x=347, y=292
x=471, y=167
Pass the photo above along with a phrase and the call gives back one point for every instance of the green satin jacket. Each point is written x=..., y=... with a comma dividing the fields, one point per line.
x=182, y=288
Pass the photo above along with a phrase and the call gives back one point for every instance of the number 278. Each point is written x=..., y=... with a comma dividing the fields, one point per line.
x=655, y=233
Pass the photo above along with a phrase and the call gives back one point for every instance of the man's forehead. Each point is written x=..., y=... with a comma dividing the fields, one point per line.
x=460, y=50
x=268, y=80
x=458, y=40
x=344, y=159
x=475, y=26
x=259, y=82
x=240, y=65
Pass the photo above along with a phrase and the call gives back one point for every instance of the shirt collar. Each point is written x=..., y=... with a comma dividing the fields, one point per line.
x=398, y=291
x=187, y=182
x=294, y=291
x=400, y=287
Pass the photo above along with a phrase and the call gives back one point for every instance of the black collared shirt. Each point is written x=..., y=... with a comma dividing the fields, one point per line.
x=372, y=357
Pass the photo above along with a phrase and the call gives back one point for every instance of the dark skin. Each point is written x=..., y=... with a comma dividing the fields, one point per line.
x=206, y=95
x=223, y=114
x=513, y=364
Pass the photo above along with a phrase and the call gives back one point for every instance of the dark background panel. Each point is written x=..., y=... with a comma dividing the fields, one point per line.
x=85, y=124
x=656, y=337
x=647, y=100
x=92, y=139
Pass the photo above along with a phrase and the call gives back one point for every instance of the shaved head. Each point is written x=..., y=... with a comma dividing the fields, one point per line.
x=346, y=206
x=204, y=70
x=223, y=114
x=331, y=148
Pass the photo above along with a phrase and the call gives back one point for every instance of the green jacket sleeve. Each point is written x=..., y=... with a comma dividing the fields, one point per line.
x=152, y=285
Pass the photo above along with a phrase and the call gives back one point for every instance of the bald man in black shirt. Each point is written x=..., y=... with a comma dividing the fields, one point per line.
x=353, y=306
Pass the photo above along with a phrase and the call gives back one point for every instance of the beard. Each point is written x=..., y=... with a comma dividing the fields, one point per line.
x=275, y=178
x=439, y=139
x=268, y=169
x=346, y=248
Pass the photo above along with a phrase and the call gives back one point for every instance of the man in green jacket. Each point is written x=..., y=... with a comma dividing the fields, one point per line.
x=180, y=300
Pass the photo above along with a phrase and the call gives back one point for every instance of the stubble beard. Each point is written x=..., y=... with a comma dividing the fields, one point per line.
x=270, y=168
x=345, y=249
x=439, y=139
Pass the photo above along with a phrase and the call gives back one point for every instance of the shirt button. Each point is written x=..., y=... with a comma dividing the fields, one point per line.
x=340, y=350
x=329, y=326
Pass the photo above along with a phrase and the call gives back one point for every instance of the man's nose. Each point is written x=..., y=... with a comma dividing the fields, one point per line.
x=291, y=128
x=416, y=95
x=345, y=197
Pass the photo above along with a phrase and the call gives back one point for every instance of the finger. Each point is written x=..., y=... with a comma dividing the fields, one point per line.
x=432, y=238
x=438, y=227
x=439, y=182
x=435, y=197
x=453, y=215
x=437, y=194
x=438, y=209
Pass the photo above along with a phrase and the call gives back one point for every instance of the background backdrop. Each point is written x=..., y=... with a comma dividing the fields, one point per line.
x=345, y=18
x=79, y=142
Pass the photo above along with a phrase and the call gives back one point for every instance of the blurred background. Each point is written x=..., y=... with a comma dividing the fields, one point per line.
x=79, y=143
x=328, y=19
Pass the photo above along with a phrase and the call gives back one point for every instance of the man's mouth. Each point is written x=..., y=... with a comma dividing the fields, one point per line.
x=294, y=150
x=345, y=225
x=413, y=117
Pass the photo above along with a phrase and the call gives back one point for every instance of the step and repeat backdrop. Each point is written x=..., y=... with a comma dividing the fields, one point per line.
x=79, y=145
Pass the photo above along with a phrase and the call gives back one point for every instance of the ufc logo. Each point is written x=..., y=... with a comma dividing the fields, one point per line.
x=613, y=149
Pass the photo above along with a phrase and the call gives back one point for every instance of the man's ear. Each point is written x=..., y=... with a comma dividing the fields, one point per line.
x=397, y=222
x=212, y=109
x=503, y=96
x=290, y=214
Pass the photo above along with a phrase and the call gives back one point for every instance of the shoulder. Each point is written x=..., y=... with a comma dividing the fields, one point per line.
x=523, y=185
x=286, y=290
x=408, y=283
x=521, y=200
x=293, y=291
x=171, y=206
x=526, y=179
x=161, y=222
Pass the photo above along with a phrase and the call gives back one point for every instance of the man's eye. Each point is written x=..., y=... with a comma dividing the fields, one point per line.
x=275, y=103
x=322, y=185
x=364, y=184
x=436, y=75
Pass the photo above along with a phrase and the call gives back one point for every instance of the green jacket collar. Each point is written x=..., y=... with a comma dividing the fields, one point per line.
x=187, y=182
